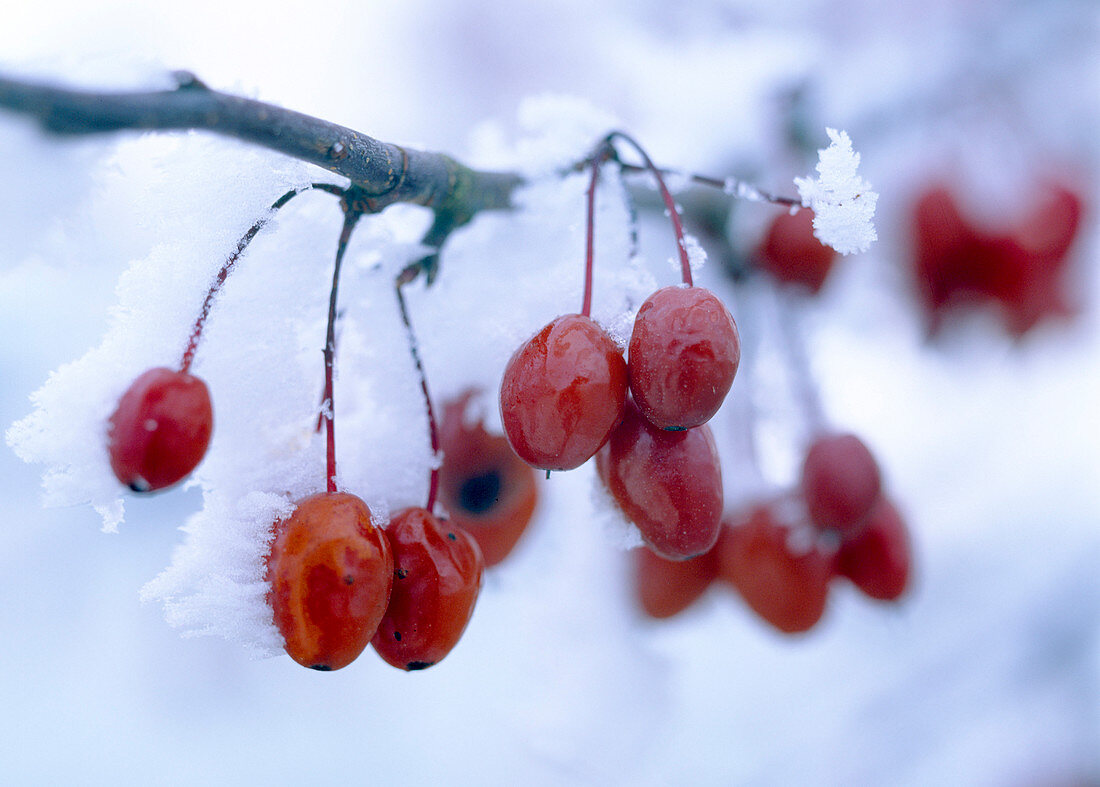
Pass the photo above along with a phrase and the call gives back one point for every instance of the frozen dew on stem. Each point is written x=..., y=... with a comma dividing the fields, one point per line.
x=842, y=201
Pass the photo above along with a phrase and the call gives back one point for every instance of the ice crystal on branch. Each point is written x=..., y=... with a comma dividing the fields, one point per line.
x=842, y=201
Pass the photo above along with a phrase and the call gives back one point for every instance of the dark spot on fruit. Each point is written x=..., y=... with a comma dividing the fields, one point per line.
x=417, y=665
x=480, y=493
x=397, y=635
x=349, y=579
x=401, y=573
x=675, y=428
x=321, y=667
x=452, y=537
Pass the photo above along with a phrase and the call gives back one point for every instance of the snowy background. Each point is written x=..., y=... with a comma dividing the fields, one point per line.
x=989, y=673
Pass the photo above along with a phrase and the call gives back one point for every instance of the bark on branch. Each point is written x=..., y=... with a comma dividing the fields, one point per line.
x=381, y=173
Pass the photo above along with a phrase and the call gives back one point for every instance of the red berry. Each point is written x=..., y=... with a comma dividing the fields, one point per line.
x=437, y=577
x=160, y=430
x=786, y=589
x=665, y=588
x=878, y=560
x=330, y=571
x=669, y=484
x=562, y=393
x=486, y=489
x=792, y=254
x=684, y=352
x=1020, y=270
x=840, y=483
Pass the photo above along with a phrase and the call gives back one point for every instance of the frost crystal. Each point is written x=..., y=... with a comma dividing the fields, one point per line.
x=842, y=201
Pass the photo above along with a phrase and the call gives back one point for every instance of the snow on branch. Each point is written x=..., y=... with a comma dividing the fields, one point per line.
x=843, y=202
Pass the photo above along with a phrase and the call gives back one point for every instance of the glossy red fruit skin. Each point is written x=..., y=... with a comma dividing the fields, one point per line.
x=160, y=430
x=879, y=560
x=437, y=578
x=562, y=393
x=840, y=483
x=787, y=590
x=665, y=588
x=793, y=255
x=668, y=483
x=330, y=569
x=485, y=488
x=684, y=352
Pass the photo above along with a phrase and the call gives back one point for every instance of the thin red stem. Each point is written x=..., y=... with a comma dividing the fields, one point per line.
x=670, y=203
x=433, y=427
x=231, y=261
x=590, y=229
x=328, y=408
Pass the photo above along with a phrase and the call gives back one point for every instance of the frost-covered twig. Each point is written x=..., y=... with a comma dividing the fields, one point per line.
x=381, y=172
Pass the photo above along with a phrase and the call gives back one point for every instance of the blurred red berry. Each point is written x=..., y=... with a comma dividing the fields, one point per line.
x=1021, y=270
x=840, y=483
x=792, y=254
x=485, y=488
x=664, y=588
x=787, y=589
x=878, y=561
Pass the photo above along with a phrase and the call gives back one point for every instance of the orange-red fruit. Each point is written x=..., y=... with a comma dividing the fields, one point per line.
x=330, y=570
x=664, y=588
x=840, y=483
x=684, y=353
x=437, y=577
x=786, y=589
x=792, y=254
x=669, y=484
x=486, y=489
x=878, y=560
x=562, y=393
x=160, y=430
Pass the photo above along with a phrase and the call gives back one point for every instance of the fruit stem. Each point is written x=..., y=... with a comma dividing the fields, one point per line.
x=798, y=362
x=328, y=407
x=666, y=195
x=231, y=261
x=734, y=187
x=404, y=278
x=598, y=157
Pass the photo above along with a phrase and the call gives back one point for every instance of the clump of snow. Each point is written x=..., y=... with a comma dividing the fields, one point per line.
x=501, y=278
x=842, y=201
x=697, y=255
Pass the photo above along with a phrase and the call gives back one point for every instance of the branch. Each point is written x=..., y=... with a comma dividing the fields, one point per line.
x=381, y=173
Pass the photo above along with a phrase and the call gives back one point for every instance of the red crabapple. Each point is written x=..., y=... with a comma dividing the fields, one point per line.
x=878, y=560
x=160, y=430
x=787, y=589
x=562, y=393
x=1019, y=269
x=792, y=254
x=668, y=483
x=683, y=355
x=437, y=576
x=485, y=488
x=840, y=483
x=664, y=588
x=330, y=570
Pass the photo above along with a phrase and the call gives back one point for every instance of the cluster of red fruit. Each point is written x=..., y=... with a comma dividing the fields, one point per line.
x=782, y=555
x=569, y=393
x=339, y=581
x=1020, y=270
